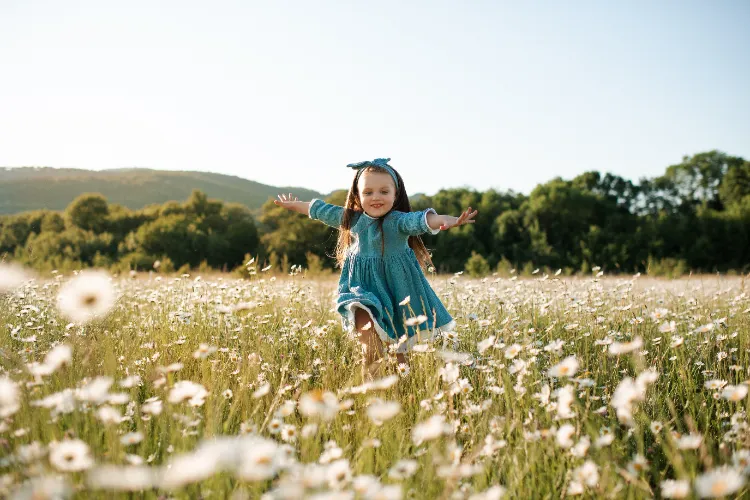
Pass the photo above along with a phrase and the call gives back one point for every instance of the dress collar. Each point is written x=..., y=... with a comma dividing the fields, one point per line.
x=375, y=218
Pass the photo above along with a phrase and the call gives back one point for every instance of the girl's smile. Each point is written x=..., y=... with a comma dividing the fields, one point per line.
x=377, y=193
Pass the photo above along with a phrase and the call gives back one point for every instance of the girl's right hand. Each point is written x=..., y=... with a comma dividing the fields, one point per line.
x=287, y=201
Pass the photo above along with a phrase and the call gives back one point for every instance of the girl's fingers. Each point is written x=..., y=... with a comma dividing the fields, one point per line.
x=286, y=198
x=465, y=218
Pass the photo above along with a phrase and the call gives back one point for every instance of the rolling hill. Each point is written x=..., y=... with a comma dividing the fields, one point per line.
x=32, y=188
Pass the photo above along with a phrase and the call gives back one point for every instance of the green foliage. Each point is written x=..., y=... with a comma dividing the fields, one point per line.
x=504, y=267
x=89, y=212
x=52, y=222
x=695, y=217
x=477, y=266
x=314, y=264
x=289, y=234
x=15, y=229
x=735, y=186
x=165, y=265
x=176, y=236
x=697, y=180
x=248, y=269
x=93, y=233
x=669, y=267
x=137, y=261
x=73, y=245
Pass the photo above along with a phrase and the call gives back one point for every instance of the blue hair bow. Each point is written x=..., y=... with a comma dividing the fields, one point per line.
x=377, y=162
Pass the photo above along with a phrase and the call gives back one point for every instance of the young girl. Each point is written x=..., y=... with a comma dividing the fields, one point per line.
x=382, y=291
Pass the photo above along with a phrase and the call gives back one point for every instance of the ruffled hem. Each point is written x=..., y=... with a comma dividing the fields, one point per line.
x=403, y=345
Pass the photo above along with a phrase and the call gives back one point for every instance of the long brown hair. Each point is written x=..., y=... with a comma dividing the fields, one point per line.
x=352, y=206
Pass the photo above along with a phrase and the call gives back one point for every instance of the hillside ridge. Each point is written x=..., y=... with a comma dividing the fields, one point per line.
x=33, y=188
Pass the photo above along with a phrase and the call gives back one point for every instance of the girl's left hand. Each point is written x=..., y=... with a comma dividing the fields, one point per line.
x=465, y=218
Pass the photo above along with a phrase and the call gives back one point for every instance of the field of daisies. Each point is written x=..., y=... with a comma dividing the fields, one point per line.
x=187, y=386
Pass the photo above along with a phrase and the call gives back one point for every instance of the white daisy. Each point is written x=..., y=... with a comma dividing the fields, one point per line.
x=566, y=368
x=87, y=296
x=381, y=411
x=289, y=433
x=9, y=397
x=587, y=474
x=338, y=474
x=131, y=438
x=12, y=276
x=689, y=442
x=625, y=347
x=152, y=407
x=403, y=469
x=486, y=344
x=204, y=351
x=719, y=482
x=734, y=392
x=109, y=415
x=131, y=478
x=259, y=460
x=564, y=435
x=262, y=390
x=70, y=455
x=187, y=390
x=430, y=429
x=317, y=403
x=95, y=390
x=512, y=351
x=672, y=488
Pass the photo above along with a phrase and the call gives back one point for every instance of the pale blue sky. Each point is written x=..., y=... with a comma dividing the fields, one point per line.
x=477, y=93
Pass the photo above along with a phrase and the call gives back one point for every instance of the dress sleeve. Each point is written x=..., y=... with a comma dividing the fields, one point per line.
x=328, y=214
x=415, y=223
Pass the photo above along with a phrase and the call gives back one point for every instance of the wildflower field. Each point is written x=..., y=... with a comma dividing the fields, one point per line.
x=189, y=386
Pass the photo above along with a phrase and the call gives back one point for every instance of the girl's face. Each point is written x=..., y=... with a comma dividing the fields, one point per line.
x=377, y=193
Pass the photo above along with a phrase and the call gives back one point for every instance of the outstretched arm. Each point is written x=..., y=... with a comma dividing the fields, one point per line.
x=443, y=222
x=330, y=215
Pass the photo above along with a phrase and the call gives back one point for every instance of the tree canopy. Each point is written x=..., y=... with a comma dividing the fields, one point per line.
x=696, y=216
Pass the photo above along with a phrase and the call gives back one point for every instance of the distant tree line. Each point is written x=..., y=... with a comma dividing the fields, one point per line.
x=694, y=217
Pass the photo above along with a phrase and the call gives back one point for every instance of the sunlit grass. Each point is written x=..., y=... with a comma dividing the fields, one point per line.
x=500, y=423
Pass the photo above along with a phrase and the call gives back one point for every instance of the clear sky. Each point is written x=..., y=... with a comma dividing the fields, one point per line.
x=462, y=93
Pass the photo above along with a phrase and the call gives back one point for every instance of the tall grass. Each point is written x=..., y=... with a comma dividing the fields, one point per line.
x=287, y=335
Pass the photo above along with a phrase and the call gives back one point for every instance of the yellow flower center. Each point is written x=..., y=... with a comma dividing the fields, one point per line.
x=718, y=488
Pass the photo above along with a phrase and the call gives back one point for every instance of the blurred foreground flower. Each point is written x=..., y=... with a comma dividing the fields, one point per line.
x=380, y=411
x=719, y=482
x=566, y=368
x=43, y=487
x=9, y=397
x=70, y=455
x=12, y=276
x=430, y=429
x=319, y=403
x=185, y=389
x=54, y=359
x=88, y=296
x=672, y=488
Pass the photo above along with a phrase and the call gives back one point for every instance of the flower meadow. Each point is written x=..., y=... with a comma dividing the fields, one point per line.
x=190, y=386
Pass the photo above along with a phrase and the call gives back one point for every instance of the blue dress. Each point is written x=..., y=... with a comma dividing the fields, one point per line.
x=377, y=282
